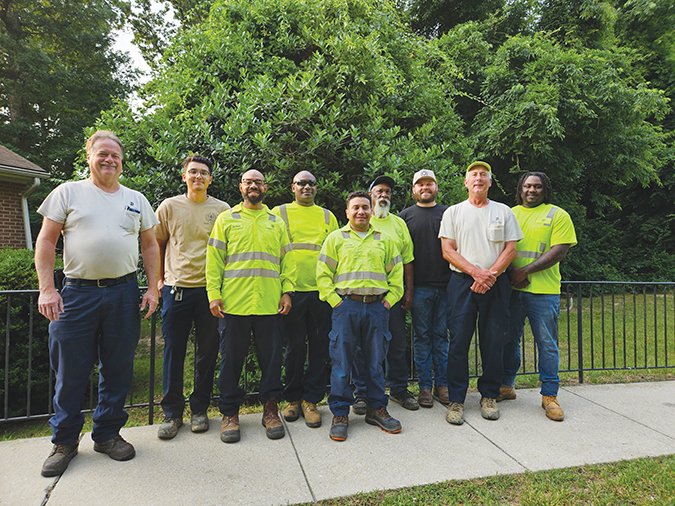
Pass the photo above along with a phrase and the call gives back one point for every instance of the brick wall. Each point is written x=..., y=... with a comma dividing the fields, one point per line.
x=12, y=233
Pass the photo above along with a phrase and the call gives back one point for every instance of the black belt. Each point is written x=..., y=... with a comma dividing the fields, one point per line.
x=101, y=283
x=366, y=299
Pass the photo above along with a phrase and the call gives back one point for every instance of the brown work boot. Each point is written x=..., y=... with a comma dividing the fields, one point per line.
x=229, y=429
x=271, y=421
x=553, y=410
x=425, y=399
x=506, y=393
x=441, y=395
x=311, y=414
x=292, y=411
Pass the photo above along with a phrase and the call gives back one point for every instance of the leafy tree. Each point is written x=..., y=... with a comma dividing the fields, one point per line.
x=338, y=87
x=434, y=17
x=57, y=72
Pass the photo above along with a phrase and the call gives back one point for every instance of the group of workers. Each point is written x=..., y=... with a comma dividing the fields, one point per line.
x=327, y=302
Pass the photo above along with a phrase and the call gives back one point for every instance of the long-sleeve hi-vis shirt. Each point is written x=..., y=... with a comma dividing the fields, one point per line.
x=349, y=264
x=307, y=227
x=246, y=262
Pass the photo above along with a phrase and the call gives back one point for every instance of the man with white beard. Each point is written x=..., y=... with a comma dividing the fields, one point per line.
x=393, y=229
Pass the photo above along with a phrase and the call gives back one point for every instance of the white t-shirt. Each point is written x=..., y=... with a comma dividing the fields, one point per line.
x=100, y=229
x=480, y=232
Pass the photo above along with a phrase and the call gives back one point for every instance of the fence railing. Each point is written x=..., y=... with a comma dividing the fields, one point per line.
x=603, y=326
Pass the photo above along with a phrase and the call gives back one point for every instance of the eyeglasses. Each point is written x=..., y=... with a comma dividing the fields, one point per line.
x=249, y=182
x=194, y=172
x=305, y=182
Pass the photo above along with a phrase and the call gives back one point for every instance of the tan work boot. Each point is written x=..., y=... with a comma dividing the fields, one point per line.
x=292, y=411
x=455, y=414
x=311, y=414
x=489, y=409
x=271, y=421
x=552, y=407
x=229, y=429
x=506, y=393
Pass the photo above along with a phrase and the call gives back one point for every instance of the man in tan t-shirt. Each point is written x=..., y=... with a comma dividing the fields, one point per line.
x=185, y=222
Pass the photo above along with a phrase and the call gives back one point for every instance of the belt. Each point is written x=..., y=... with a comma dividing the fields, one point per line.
x=101, y=283
x=366, y=299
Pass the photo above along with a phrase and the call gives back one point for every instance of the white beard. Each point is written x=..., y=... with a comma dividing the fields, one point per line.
x=382, y=208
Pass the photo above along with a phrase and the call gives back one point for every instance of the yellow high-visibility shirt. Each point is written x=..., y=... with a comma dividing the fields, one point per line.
x=246, y=262
x=395, y=229
x=307, y=227
x=349, y=264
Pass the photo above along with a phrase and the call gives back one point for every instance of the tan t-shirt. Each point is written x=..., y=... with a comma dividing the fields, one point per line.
x=186, y=226
x=100, y=229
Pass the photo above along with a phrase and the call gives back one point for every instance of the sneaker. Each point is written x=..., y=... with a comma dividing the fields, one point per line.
x=425, y=399
x=552, y=406
x=441, y=395
x=311, y=414
x=169, y=428
x=291, y=411
x=360, y=406
x=488, y=408
x=116, y=448
x=199, y=422
x=338, y=428
x=506, y=393
x=405, y=399
x=58, y=460
x=271, y=421
x=383, y=420
x=229, y=429
x=455, y=414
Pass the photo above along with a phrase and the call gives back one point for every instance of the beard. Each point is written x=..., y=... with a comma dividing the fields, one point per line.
x=426, y=198
x=382, y=207
x=255, y=199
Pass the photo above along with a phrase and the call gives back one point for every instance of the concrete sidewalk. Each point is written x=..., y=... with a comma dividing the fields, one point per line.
x=604, y=423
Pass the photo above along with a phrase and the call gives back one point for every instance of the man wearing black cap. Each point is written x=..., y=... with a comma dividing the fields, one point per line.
x=393, y=229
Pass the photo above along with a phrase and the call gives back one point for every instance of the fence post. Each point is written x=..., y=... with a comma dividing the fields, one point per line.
x=151, y=382
x=580, y=338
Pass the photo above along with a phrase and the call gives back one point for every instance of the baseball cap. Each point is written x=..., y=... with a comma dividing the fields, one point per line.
x=424, y=173
x=479, y=163
x=382, y=179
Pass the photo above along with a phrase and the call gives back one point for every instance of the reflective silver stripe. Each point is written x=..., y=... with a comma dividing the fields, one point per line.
x=251, y=273
x=396, y=260
x=331, y=263
x=542, y=247
x=236, y=216
x=360, y=291
x=286, y=249
x=271, y=217
x=350, y=276
x=345, y=234
x=284, y=216
x=252, y=255
x=528, y=254
x=307, y=246
x=326, y=216
x=550, y=215
x=217, y=244
x=377, y=236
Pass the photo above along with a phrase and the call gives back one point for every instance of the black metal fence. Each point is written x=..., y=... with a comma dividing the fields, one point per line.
x=603, y=327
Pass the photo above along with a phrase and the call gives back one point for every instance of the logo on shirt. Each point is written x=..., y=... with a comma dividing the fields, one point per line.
x=132, y=207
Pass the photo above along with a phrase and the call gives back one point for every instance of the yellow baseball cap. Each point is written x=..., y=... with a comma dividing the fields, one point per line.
x=479, y=163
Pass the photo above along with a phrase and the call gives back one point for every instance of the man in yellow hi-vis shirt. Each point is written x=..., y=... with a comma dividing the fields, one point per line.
x=305, y=329
x=361, y=276
x=249, y=282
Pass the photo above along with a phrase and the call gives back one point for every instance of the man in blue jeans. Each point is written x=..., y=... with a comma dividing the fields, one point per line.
x=95, y=318
x=429, y=309
x=185, y=222
x=535, y=276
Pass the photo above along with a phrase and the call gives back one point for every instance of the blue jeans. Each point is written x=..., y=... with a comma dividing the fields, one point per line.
x=429, y=317
x=360, y=336
x=542, y=311
x=305, y=330
x=490, y=310
x=177, y=319
x=97, y=325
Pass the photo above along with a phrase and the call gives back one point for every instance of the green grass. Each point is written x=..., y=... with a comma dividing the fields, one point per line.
x=634, y=482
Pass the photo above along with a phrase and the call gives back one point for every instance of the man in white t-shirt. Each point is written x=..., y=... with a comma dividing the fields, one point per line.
x=185, y=222
x=478, y=238
x=95, y=317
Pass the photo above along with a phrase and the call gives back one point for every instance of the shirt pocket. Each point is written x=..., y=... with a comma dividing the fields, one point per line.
x=496, y=232
x=131, y=222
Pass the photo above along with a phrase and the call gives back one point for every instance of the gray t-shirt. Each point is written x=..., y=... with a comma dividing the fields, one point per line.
x=480, y=232
x=100, y=229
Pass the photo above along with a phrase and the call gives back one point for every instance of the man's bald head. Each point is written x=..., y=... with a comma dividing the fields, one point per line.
x=304, y=188
x=252, y=188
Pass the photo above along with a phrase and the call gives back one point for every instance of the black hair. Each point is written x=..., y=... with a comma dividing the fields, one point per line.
x=545, y=181
x=198, y=159
x=355, y=195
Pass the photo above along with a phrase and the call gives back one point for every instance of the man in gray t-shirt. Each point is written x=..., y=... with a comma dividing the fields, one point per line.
x=478, y=238
x=95, y=317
